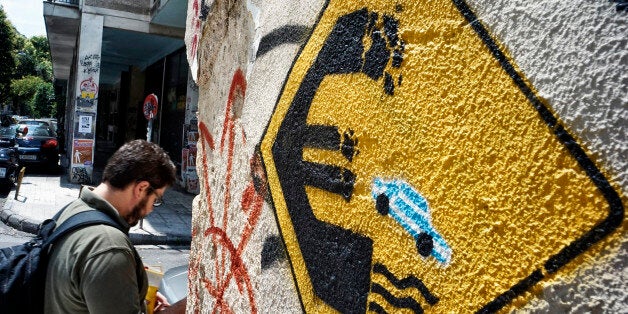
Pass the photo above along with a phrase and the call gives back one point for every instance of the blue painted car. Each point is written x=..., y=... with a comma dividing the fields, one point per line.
x=402, y=202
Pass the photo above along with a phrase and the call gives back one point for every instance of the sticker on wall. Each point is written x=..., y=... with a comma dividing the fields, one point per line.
x=89, y=92
x=413, y=167
x=84, y=126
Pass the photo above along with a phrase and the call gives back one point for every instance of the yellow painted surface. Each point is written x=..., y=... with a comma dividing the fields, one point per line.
x=503, y=191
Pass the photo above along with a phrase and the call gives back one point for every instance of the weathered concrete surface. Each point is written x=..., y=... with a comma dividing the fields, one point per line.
x=474, y=151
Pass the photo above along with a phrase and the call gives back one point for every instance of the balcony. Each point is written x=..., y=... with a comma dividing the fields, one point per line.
x=70, y=2
x=62, y=18
x=155, y=28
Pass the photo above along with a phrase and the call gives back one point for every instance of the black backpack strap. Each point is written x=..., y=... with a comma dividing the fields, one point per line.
x=80, y=220
x=89, y=218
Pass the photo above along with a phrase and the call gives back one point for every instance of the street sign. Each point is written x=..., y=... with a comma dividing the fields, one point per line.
x=413, y=167
x=150, y=107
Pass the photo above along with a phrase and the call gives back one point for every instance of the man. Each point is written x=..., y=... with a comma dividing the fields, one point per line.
x=94, y=269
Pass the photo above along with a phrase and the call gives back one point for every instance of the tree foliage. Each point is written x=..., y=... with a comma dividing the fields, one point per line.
x=7, y=61
x=33, y=58
x=35, y=96
x=25, y=72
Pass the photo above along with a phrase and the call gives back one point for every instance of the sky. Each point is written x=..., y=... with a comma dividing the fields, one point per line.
x=26, y=15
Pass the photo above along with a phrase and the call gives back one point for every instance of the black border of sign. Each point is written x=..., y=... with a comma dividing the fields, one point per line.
x=616, y=208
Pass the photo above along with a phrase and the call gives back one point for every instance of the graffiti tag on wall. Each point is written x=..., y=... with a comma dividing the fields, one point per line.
x=90, y=63
x=81, y=174
x=229, y=271
x=407, y=151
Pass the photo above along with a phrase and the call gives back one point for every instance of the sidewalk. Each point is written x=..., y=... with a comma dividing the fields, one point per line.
x=41, y=196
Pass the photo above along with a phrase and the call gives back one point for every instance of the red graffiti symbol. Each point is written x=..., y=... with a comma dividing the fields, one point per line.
x=228, y=263
x=196, y=28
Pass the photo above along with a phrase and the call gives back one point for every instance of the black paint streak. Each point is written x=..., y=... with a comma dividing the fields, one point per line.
x=622, y=5
x=615, y=216
x=321, y=136
x=330, y=178
x=374, y=307
x=328, y=137
x=338, y=261
x=403, y=303
x=377, y=56
x=389, y=85
x=204, y=10
x=616, y=208
x=273, y=251
x=349, y=144
x=408, y=282
x=507, y=297
x=288, y=34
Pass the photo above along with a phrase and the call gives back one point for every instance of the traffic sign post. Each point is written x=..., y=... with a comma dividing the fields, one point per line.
x=150, y=112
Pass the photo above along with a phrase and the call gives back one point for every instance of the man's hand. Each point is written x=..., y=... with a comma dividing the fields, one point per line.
x=177, y=308
x=161, y=303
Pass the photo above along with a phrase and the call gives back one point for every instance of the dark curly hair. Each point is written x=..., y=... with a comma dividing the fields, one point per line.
x=139, y=160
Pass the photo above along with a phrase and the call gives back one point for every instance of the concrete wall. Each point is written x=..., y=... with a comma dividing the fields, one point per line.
x=83, y=128
x=376, y=156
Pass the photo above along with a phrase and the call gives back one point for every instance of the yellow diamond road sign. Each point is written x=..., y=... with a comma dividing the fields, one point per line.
x=413, y=167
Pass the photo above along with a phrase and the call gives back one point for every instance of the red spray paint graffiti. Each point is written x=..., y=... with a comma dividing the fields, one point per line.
x=196, y=28
x=228, y=263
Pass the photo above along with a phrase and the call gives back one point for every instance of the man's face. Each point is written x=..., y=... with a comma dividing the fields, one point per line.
x=145, y=206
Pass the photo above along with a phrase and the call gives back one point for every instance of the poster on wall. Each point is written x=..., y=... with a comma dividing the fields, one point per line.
x=191, y=177
x=84, y=127
x=82, y=152
x=184, y=157
x=85, y=124
x=191, y=101
x=190, y=133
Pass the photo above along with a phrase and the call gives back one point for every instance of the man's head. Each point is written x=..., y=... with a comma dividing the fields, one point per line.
x=144, y=170
x=137, y=161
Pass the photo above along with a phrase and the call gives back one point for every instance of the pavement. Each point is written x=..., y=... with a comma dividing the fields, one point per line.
x=41, y=196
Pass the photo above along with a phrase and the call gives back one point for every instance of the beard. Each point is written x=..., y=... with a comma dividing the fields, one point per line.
x=136, y=214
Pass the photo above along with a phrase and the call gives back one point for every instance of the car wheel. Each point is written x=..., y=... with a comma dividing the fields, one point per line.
x=382, y=205
x=424, y=244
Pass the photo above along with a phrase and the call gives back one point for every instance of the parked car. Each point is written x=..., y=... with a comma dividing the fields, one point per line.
x=9, y=161
x=399, y=200
x=37, y=143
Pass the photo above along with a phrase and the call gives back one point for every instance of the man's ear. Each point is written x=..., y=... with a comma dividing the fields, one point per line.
x=139, y=189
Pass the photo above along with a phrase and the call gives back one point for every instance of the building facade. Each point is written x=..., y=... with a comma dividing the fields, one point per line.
x=110, y=56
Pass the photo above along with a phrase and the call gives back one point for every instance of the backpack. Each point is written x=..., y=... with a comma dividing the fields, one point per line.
x=23, y=267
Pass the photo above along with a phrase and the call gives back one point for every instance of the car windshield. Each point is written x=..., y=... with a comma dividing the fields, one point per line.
x=39, y=130
x=33, y=122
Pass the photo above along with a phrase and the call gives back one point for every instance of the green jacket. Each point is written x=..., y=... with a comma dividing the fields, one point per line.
x=93, y=270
